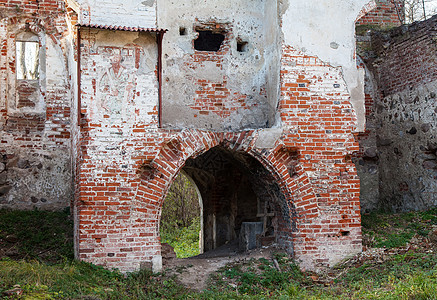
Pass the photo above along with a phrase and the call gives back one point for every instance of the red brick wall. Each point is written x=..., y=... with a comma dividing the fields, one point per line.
x=315, y=107
x=407, y=58
x=385, y=14
x=125, y=163
x=124, y=178
x=35, y=120
x=112, y=228
x=50, y=7
x=217, y=97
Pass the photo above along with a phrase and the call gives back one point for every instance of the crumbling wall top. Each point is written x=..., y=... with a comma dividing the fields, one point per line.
x=116, y=12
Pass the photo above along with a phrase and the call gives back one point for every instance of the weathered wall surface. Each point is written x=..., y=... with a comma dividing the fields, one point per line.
x=34, y=114
x=387, y=13
x=325, y=29
x=402, y=118
x=127, y=13
x=367, y=159
x=300, y=78
x=228, y=89
x=282, y=96
x=118, y=124
x=128, y=163
x=319, y=122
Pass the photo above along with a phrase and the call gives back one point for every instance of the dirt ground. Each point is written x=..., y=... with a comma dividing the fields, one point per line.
x=194, y=272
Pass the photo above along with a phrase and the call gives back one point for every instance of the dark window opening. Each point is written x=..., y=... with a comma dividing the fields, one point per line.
x=344, y=233
x=242, y=46
x=208, y=41
x=182, y=31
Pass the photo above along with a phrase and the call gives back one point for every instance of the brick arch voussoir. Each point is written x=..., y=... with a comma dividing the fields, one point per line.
x=177, y=149
x=35, y=24
x=169, y=160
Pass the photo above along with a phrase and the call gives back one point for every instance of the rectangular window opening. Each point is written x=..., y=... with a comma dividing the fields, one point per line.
x=208, y=41
x=27, y=60
x=345, y=233
x=182, y=31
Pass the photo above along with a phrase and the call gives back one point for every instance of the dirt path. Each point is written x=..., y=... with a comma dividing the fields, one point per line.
x=194, y=272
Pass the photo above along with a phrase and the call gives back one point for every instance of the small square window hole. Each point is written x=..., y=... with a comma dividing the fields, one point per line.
x=242, y=46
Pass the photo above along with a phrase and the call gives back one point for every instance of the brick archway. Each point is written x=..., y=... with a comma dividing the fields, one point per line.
x=236, y=188
x=158, y=174
x=121, y=228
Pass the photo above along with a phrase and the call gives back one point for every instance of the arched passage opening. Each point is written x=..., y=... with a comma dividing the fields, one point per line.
x=181, y=224
x=243, y=206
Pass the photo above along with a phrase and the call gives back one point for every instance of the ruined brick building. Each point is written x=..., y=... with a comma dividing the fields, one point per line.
x=398, y=151
x=261, y=103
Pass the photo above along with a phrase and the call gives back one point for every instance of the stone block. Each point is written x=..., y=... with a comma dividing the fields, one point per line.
x=248, y=233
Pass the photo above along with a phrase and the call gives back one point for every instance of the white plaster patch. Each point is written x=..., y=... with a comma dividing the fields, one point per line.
x=130, y=13
x=267, y=138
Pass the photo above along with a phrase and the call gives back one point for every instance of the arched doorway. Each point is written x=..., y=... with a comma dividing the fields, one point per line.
x=181, y=224
x=243, y=206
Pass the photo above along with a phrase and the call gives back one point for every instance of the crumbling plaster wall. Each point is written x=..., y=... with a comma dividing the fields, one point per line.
x=35, y=169
x=242, y=87
x=129, y=13
x=326, y=29
x=118, y=126
x=367, y=159
x=128, y=162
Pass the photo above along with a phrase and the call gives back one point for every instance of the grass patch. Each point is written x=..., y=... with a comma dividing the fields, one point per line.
x=259, y=278
x=399, y=274
x=42, y=235
x=396, y=230
x=411, y=276
x=80, y=280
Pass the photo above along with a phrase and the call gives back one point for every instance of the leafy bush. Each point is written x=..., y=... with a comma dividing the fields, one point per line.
x=181, y=206
x=185, y=241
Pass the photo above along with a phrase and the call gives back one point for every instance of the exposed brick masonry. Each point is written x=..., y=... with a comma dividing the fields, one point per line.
x=385, y=14
x=123, y=164
x=407, y=56
x=217, y=97
x=398, y=160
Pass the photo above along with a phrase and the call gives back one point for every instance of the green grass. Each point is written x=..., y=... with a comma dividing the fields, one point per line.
x=396, y=230
x=401, y=275
x=73, y=280
x=185, y=240
x=258, y=277
x=42, y=235
x=411, y=276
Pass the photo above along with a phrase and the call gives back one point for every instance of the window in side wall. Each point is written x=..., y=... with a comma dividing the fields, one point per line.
x=27, y=70
x=208, y=40
x=27, y=60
